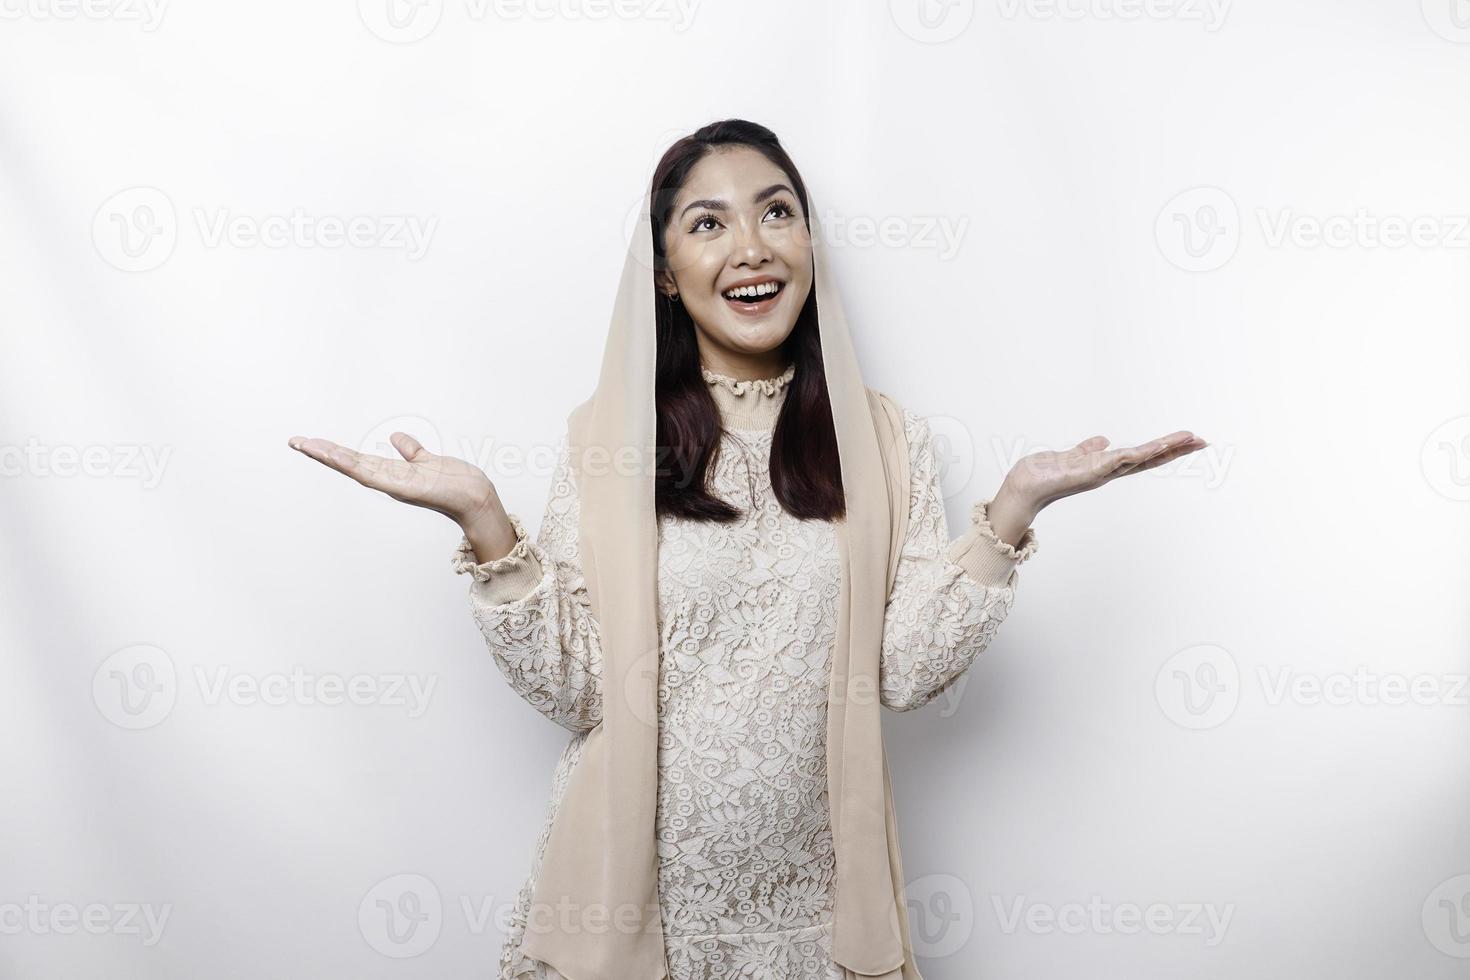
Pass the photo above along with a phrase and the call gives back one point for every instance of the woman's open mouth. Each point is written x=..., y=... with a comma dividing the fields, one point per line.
x=755, y=299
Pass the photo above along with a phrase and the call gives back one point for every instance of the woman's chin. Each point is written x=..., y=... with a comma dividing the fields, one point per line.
x=755, y=337
x=772, y=326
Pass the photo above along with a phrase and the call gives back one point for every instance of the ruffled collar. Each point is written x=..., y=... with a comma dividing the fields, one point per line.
x=750, y=403
x=766, y=386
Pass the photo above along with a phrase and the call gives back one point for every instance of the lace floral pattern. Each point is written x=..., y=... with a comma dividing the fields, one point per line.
x=545, y=643
x=938, y=619
x=747, y=623
x=745, y=848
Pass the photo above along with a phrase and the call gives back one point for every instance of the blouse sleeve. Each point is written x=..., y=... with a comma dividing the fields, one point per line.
x=948, y=597
x=532, y=607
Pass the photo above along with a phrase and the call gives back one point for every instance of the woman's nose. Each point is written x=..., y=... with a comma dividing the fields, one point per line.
x=751, y=246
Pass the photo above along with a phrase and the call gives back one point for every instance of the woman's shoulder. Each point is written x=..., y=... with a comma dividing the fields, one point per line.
x=912, y=423
x=578, y=417
x=877, y=397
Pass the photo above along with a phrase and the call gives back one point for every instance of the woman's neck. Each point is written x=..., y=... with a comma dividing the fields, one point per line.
x=743, y=366
x=751, y=403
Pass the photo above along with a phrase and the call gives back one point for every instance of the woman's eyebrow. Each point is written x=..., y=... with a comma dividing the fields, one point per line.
x=715, y=204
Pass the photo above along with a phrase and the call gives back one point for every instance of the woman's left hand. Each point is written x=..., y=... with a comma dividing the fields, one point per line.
x=1045, y=477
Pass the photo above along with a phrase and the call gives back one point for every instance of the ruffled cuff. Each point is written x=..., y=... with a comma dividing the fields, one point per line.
x=512, y=576
x=983, y=555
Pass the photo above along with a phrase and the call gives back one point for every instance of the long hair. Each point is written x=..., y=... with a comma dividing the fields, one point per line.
x=806, y=473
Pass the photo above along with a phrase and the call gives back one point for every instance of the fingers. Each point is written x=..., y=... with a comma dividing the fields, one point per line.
x=371, y=471
x=321, y=450
x=408, y=447
x=1146, y=450
x=1132, y=454
x=1173, y=450
x=1163, y=443
x=1091, y=445
x=1108, y=464
x=1120, y=461
x=1184, y=449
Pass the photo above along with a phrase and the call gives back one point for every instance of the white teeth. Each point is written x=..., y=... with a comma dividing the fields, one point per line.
x=751, y=292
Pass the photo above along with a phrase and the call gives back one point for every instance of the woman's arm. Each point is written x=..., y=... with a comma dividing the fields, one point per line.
x=532, y=607
x=949, y=597
x=528, y=597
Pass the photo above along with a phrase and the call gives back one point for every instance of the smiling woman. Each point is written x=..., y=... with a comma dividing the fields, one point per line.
x=733, y=260
x=718, y=635
x=697, y=253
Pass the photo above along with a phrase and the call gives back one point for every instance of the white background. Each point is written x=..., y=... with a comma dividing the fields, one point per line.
x=1134, y=190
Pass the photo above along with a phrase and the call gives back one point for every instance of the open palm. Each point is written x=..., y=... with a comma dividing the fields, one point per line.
x=1047, y=476
x=451, y=486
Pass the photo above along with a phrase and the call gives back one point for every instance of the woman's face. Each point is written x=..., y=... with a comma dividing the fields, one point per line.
x=739, y=254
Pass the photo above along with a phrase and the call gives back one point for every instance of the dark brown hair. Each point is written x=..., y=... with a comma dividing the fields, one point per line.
x=806, y=474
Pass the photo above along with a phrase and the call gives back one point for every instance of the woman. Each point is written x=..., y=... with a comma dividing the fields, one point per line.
x=725, y=763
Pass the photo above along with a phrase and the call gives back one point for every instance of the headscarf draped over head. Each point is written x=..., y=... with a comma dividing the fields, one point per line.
x=595, y=911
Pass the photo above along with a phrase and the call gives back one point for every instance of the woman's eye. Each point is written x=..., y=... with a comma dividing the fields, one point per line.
x=705, y=223
x=781, y=209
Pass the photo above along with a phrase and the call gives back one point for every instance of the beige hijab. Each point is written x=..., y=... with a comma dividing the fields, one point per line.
x=595, y=911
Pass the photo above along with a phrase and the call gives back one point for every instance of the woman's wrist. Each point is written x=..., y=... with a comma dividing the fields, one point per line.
x=489, y=531
x=1010, y=513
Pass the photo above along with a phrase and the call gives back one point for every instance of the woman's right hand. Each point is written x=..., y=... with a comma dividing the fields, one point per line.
x=459, y=490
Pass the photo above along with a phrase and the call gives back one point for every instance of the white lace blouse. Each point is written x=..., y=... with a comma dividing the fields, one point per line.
x=747, y=623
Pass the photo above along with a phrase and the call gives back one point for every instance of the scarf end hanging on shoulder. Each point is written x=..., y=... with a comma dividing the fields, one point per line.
x=595, y=911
